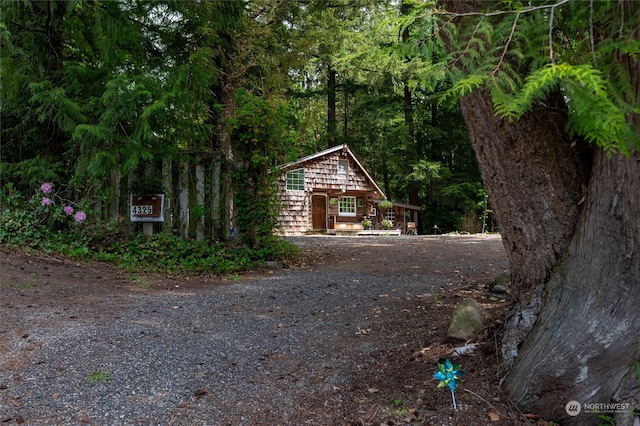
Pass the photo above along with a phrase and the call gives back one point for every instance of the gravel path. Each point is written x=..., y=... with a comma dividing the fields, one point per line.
x=278, y=349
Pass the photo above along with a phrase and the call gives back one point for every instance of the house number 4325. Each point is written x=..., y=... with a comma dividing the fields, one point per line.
x=139, y=210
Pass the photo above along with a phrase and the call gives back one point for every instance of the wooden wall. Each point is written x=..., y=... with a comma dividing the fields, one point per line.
x=321, y=178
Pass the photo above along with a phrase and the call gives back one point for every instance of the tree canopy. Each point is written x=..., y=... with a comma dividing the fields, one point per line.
x=122, y=84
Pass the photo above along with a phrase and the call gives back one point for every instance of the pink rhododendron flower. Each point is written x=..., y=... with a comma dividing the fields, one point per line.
x=46, y=188
x=68, y=210
x=46, y=201
x=80, y=217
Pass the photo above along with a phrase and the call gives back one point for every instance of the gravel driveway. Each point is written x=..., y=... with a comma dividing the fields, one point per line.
x=283, y=347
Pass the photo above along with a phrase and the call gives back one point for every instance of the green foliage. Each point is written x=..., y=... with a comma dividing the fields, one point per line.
x=260, y=130
x=26, y=220
x=163, y=252
x=386, y=204
x=587, y=96
x=518, y=52
x=146, y=185
x=30, y=173
x=100, y=377
x=29, y=225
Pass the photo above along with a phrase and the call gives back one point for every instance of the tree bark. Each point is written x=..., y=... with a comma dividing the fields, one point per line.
x=183, y=198
x=413, y=187
x=535, y=178
x=569, y=217
x=586, y=344
x=331, y=107
x=586, y=338
x=571, y=228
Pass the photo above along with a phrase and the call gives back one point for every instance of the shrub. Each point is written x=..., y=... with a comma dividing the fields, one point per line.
x=48, y=222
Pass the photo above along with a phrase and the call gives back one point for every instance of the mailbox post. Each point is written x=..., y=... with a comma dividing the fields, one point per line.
x=147, y=209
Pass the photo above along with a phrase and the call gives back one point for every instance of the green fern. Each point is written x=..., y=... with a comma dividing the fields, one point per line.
x=592, y=113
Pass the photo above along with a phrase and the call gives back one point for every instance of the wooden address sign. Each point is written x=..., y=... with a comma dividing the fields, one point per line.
x=147, y=208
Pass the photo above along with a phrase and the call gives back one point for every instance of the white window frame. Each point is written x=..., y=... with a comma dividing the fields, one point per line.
x=294, y=181
x=347, y=201
x=390, y=215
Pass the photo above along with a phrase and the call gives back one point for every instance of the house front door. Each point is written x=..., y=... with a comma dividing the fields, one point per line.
x=319, y=212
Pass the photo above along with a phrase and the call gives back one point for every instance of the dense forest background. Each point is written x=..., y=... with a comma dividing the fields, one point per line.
x=201, y=100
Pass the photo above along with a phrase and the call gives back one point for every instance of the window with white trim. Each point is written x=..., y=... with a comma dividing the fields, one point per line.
x=347, y=206
x=295, y=180
x=390, y=215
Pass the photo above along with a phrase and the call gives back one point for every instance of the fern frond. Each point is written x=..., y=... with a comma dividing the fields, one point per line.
x=464, y=86
x=598, y=119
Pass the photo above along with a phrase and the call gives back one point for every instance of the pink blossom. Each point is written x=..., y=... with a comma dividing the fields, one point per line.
x=68, y=210
x=80, y=216
x=46, y=201
x=46, y=188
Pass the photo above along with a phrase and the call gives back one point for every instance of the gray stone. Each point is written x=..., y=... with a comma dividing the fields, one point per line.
x=499, y=289
x=467, y=320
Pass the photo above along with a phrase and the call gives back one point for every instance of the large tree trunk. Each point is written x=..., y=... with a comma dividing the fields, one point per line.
x=586, y=343
x=412, y=154
x=586, y=337
x=535, y=178
x=571, y=227
x=574, y=247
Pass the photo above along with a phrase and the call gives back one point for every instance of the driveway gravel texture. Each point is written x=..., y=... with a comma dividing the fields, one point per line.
x=91, y=344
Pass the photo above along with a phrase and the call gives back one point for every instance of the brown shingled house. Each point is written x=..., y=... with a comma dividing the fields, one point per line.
x=331, y=192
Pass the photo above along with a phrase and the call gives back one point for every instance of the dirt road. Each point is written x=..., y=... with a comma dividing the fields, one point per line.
x=352, y=336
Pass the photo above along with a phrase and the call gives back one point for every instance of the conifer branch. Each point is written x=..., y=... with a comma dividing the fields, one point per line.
x=468, y=46
x=501, y=12
x=506, y=46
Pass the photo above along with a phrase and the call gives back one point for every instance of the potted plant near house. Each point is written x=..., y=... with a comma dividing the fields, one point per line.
x=386, y=204
x=386, y=224
x=366, y=223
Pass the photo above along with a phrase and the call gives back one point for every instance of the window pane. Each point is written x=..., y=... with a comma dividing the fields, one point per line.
x=390, y=215
x=295, y=180
x=347, y=206
x=343, y=169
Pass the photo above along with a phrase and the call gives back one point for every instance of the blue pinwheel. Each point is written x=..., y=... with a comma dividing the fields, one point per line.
x=449, y=375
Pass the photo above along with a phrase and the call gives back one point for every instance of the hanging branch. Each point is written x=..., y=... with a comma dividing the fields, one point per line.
x=468, y=46
x=506, y=46
x=482, y=15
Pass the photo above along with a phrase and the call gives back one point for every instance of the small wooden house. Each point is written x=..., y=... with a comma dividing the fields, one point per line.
x=329, y=192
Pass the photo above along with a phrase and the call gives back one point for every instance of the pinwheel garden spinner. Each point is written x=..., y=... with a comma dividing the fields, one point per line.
x=449, y=375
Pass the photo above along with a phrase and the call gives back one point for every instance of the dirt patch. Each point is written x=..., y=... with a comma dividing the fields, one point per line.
x=377, y=359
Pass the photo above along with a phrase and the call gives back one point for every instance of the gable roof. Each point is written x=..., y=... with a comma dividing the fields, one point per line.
x=345, y=151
